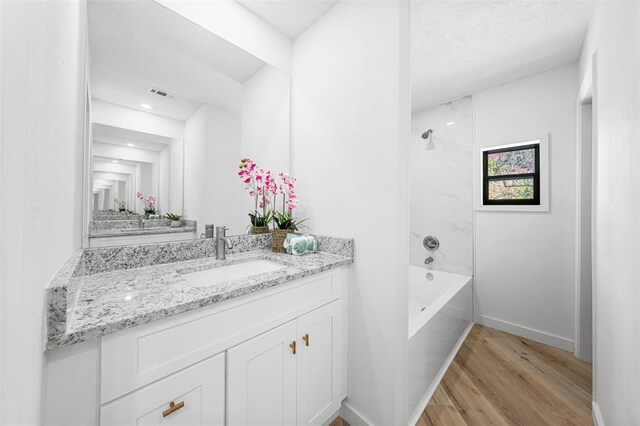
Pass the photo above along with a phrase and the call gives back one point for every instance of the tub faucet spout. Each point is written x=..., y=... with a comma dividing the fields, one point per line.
x=428, y=260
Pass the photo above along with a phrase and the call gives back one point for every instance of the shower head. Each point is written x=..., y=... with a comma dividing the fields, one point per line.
x=427, y=134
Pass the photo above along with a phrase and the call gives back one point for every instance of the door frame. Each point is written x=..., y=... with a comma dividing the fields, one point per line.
x=586, y=95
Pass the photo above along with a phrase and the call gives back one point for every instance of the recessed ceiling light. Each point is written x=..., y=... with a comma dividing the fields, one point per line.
x=450, y=123
x=145, y=106
x=130, y=144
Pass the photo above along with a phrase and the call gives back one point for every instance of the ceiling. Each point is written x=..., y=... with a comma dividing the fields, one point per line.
x=125, y=137
x=459, y=47
x=290, y=17
x=138, y=45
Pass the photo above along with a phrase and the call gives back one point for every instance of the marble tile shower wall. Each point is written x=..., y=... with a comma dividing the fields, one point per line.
x=441, y=181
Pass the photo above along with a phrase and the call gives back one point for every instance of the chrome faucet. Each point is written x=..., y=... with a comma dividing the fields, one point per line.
x=428, y=260
x=222, y=242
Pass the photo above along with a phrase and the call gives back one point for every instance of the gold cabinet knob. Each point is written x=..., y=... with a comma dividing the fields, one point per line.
x=306, y=339
x=293, y=347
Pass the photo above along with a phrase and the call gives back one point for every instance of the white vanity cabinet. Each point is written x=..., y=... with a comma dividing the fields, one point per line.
x=319, y=364
x=262, y=379
x=192, y=397
x=232, y=362
x=289, y=375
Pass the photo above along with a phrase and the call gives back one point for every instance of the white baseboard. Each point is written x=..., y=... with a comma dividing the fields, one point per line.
x=597, y=414
x=332, y=418
x=436, y=382
x=529, y=333
x=352, y=416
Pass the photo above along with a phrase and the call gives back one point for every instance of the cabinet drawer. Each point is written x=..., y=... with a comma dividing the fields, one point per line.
x=194, y=396
x=141, y=355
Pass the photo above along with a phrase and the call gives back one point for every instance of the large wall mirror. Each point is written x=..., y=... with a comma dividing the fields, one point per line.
x=173, y=109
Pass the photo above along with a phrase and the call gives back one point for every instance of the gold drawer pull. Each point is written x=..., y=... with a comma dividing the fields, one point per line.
x=293, y=347
x=173, y=407
x=306, y=339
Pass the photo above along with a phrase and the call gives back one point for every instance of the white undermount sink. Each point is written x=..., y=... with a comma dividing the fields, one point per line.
x=236, y=271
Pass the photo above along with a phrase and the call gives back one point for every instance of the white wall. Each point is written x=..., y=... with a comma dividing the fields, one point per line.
x=213, y=192
x=126, y=153
x=163, y=180
x=351, y=122
x=265, y=119
x=524, y=262
x=128, y=118
x=176, y=177
x=194, y=167
x=42, y=129
x=614, y=33
x=440, y=186
x=236, y=24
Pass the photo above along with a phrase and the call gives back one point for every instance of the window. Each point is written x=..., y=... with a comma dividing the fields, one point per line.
x=511, y=175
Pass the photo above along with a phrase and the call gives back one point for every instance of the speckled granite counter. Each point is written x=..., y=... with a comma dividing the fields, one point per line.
x=104, y=233
x=102, y=291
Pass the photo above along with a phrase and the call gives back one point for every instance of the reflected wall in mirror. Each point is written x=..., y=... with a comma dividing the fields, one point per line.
x=174, y=107
x=127, y=163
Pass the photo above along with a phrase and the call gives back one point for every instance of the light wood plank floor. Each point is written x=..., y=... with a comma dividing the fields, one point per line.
x=501, y=379
x=339, y=422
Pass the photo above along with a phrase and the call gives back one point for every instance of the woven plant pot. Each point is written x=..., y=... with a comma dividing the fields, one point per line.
x=255, y=230
x=279, y=235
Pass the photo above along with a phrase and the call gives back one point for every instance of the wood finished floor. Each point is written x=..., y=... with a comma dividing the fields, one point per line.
x=501, y=379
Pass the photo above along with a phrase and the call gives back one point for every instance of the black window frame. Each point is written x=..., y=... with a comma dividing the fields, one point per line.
x=535, y=201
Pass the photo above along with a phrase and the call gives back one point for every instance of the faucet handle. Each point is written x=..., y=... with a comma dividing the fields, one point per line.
x=221, y=231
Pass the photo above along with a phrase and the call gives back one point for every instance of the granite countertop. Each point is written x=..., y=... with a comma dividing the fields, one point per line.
x=103, y=233
x=110, y=294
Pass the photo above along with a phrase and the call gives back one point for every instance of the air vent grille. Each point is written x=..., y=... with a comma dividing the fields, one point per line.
x=161, y=93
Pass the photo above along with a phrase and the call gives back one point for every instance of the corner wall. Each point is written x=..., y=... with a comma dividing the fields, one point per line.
x=524, y=267
x=43, y=104
x=614, y=36
x=211, y=158
x=351, y=122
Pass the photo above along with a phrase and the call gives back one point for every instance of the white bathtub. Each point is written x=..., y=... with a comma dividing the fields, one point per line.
x=440, y=316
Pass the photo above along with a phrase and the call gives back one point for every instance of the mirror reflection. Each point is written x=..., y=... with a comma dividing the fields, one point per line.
x=174, y=107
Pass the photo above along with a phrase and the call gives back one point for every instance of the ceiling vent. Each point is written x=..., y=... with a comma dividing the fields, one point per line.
x=161, y=93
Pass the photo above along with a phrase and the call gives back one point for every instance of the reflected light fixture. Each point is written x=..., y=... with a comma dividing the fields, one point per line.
x=130, y=144
x=450, y=123
x=145, y=106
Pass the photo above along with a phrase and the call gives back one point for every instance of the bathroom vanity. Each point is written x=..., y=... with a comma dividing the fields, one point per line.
x=256, y=338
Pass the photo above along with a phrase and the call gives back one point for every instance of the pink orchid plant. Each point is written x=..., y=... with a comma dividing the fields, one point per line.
x=258, y=183
x=265, y=189
x=285, y=219
x=120, y=205
x=150, y=202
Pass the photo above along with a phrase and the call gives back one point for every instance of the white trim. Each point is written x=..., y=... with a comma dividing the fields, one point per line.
x=545, y=172
x=584, y=94
x=594, y=222
x=422, y=405
x=510, y=145
x=351, y=415
x=332, y=418
x=597, y=414
x=526, y=332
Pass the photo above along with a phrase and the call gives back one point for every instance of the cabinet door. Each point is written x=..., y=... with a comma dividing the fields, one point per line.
x=261, y=379
x=319, y=364
x=194, y=396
